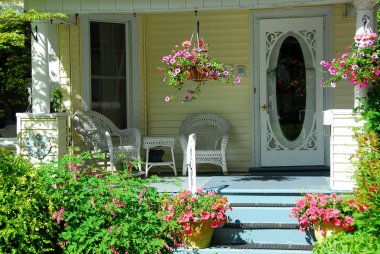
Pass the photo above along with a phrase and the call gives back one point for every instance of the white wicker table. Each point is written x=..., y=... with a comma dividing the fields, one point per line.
x=149, y=142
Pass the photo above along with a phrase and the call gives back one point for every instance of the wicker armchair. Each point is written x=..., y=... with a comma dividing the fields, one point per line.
x=212, y=134
x=97, y=131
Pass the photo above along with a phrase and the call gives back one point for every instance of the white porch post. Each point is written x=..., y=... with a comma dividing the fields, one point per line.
x=40, y=68
x=365, y=22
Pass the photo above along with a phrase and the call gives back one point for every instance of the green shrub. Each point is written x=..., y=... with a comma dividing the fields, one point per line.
x=366, y=197
x=357, y=242
x=367, y=177
x=105, y=213
x=370, y=110
x=25, y=222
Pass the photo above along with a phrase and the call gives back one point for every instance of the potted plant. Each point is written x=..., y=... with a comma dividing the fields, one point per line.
x=195, y=215
x=359, y=64
x=324, y=213
x=192, y=62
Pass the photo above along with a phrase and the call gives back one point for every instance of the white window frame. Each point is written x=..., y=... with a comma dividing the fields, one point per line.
x=132, y=62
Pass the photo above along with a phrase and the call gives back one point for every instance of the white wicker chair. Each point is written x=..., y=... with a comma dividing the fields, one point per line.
x=97, y=131
x=212, y=134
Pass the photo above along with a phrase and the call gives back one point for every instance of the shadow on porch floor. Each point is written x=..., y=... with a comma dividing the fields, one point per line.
x=256, y=181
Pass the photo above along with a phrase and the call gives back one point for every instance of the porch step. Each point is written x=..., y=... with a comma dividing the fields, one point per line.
x=262, y=199
x=258, y=212
x=264, y=233
x=262, y=225
x=251, y=249
x=266, y=246
x=259, y=222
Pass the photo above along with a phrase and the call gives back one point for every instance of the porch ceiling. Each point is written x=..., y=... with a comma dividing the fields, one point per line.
x=145, y=6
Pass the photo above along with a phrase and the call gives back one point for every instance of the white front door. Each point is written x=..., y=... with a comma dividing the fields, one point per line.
x=291, y=100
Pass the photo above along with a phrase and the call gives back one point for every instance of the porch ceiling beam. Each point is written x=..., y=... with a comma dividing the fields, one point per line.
x=146, y=6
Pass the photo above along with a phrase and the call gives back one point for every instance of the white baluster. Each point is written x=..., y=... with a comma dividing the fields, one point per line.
x=190, y=163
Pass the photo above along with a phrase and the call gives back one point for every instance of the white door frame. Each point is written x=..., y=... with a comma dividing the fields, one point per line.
x=326, y=14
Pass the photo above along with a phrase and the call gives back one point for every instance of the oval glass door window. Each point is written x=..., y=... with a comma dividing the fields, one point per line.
x=291, y=88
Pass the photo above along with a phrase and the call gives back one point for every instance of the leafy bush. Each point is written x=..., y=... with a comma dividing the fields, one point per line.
x=25, y=221
x=367, y=177
x=105, y=213
x=370, y=109
x=357, y=242
x=15, y=60
x=366, y=197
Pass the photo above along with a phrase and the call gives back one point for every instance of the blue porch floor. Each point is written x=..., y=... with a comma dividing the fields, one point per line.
x=249, y=183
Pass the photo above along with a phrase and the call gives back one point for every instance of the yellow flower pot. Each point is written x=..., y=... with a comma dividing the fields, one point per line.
x=325, y=229
x=201, y=236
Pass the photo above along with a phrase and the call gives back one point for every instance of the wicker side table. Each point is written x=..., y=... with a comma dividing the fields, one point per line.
x=149, y=142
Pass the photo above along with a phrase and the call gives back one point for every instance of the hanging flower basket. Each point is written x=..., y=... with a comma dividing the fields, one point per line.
x=359, y=64
x=196, y=74
x=191, y=62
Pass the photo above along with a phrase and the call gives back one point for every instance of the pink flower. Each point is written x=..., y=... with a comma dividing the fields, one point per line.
x=186, y=226
x=167, y=98
x=337, y=222
x=332, y=71
x=214, y=224
x=186, y=44
x=205, y=216
x=348, y=219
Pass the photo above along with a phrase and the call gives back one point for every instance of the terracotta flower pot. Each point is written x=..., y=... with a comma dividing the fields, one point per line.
x=201, y=239
x=196, y=74
x=325, y=229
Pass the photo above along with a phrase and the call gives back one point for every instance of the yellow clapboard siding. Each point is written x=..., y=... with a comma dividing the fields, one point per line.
x=343, y=32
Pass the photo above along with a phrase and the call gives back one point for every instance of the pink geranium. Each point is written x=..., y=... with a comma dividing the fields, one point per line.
x=187, y=209
x=320, y=207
